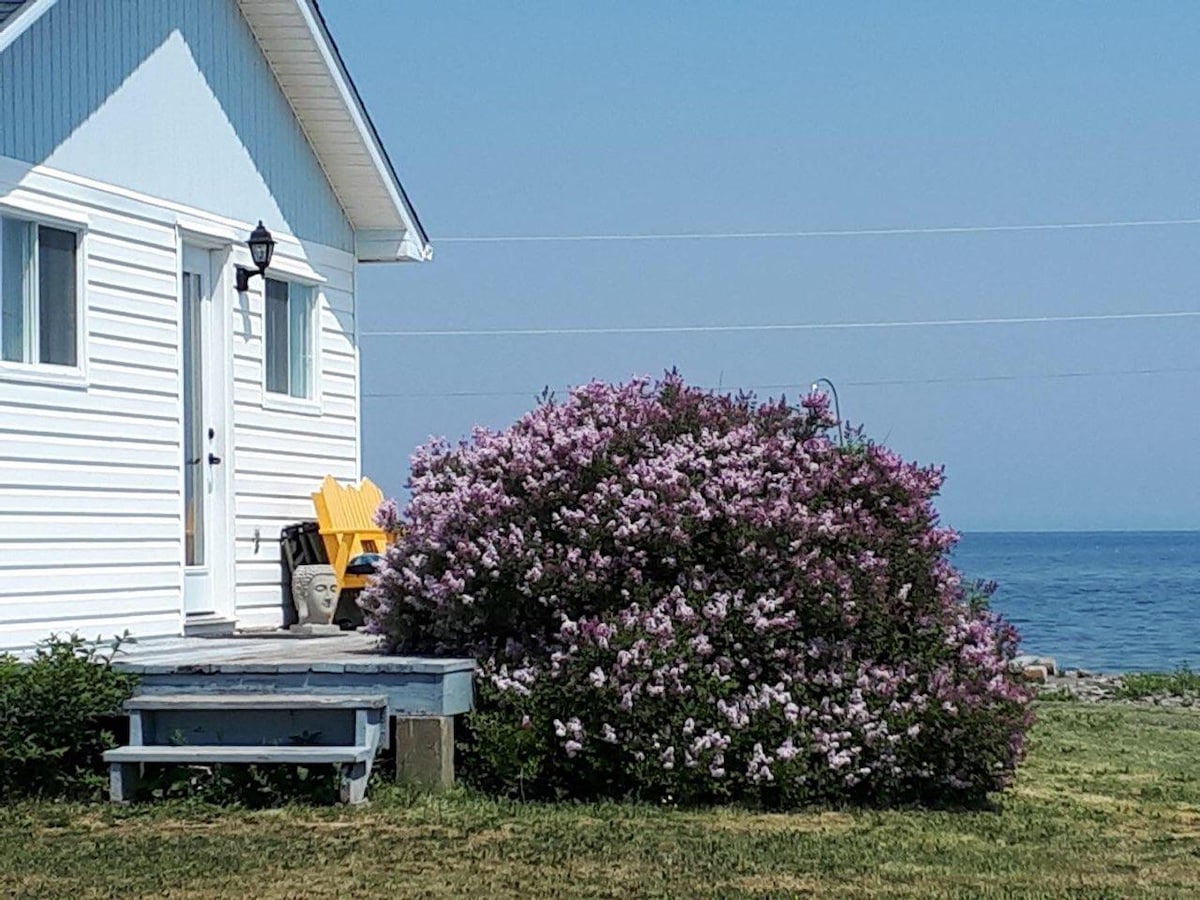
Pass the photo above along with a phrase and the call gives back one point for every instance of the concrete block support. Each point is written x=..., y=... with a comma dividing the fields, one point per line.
x=425, y=751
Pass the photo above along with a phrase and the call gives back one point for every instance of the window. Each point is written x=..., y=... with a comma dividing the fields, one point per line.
x=39, y=308
x=289, y=338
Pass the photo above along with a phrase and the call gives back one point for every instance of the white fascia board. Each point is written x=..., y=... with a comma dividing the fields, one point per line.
x=390, y=245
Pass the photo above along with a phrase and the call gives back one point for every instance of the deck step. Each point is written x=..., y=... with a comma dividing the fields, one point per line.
x=249, y=700
x=201, y=754
x=354, y=763
x=209, y=624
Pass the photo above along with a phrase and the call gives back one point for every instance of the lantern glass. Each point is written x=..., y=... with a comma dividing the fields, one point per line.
x=262, y=246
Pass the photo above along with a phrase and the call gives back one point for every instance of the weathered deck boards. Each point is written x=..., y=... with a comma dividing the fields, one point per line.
x=423, y=694
x=281, y=662
x=209, y=754
x=351, y=651
x=254, y=701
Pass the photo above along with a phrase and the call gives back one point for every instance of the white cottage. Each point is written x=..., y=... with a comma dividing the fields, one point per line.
x=158, y=426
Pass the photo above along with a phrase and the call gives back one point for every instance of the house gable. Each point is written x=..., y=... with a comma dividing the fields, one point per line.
x=171, y=98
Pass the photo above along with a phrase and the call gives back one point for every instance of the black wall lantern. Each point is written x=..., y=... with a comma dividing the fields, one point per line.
x=262, y=248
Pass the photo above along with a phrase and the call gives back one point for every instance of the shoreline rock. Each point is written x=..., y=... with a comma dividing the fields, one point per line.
x=1054, y=683
x=1037, y=674
x=1027, y=661
x=1081, y=685
x=1092, y=687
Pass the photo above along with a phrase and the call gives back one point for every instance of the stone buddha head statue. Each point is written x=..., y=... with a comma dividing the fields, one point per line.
x=315, y=594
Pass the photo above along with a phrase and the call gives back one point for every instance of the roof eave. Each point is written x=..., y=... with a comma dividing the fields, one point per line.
x=414, y=245
x=390, y=245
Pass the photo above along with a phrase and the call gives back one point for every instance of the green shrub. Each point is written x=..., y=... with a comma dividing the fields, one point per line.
x=246, y=787
x=56, y=717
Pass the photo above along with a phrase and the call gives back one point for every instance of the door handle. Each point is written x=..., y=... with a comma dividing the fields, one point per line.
x=213, y=459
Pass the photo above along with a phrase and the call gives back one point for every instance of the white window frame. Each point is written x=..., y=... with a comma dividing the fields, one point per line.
x=52, y=373
x=310, y=405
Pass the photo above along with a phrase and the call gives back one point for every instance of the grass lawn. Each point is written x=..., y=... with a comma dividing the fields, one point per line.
x=1108, y=805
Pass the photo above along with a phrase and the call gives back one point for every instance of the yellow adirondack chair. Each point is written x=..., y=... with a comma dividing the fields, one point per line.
x=346, y=515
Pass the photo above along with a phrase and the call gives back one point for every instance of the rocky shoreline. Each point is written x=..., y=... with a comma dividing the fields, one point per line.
x=1090, y=687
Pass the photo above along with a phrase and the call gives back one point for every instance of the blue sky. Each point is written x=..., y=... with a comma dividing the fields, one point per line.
x=572, y=118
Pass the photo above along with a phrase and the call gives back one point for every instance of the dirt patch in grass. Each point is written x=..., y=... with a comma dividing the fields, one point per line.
x=773, y=823
x=791, y=885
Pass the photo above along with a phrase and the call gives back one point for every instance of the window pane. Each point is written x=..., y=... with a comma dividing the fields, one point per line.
x=57, y=307
x=15, y=299
x=300, y=340
x=275, y=337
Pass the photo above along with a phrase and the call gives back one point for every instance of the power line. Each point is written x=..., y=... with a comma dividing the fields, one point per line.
x=972, y=379
x=895, y=382
x=822, y=233
x=800, y=326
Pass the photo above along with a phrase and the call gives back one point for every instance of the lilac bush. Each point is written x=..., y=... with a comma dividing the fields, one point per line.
x=679, y=595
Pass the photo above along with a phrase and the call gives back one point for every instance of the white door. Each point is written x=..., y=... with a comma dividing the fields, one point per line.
x=208, y=541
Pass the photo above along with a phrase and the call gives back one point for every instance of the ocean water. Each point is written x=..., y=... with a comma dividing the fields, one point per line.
x=1104, y=601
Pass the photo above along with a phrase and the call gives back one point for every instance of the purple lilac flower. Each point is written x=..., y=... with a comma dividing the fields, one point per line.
x=669, y=569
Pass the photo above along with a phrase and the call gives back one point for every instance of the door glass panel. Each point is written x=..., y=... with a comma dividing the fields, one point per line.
x=193, y=419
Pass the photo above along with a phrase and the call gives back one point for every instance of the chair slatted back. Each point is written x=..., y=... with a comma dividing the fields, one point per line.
x=346, y=515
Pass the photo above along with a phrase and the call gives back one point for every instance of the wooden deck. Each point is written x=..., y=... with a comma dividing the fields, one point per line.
x=280, y=661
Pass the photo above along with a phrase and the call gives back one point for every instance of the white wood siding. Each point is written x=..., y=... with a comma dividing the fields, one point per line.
x=139, y=119
x=91, y=531
x=281, y=456
x=90, y=528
